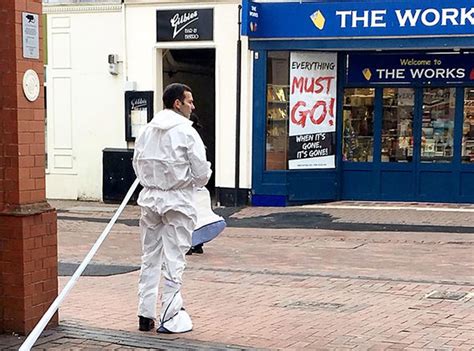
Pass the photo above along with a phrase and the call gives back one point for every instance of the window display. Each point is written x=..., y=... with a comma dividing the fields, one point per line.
x=277, y=111
x=438, y=124
x=358, y=119
x=397, y=125
x=468, y=127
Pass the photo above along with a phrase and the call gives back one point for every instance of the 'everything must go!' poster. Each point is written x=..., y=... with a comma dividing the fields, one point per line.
x=312, y=130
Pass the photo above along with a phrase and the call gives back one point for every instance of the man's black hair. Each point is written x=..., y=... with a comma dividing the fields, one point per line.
x=174, y=91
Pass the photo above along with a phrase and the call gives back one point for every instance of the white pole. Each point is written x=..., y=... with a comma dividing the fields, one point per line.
x=31, y=339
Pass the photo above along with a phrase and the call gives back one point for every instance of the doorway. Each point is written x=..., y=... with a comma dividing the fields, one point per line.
x=196, y=68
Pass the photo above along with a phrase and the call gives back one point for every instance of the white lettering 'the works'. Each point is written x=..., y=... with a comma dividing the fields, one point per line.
x=433, y=17
x=407, y=18
x=373, y=18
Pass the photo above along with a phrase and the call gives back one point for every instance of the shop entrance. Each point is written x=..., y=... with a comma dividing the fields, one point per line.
x=405, y=130
x=196, y=68
x=408, y=143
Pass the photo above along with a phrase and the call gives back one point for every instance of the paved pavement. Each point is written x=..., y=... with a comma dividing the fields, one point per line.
x=339, y=276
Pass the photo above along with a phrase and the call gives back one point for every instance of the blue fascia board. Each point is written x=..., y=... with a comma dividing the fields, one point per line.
x=435, y=43
x=358, y=19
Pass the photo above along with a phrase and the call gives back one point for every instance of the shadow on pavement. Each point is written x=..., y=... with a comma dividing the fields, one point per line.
x=66, y=269
x=302, y=220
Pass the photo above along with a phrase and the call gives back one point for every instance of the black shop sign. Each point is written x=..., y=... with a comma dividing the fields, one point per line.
x=185, y=25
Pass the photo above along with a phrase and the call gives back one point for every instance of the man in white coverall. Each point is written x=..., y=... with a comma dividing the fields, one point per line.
x=170, y=162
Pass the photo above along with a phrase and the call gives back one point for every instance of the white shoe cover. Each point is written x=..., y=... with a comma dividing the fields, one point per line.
x=181, y=323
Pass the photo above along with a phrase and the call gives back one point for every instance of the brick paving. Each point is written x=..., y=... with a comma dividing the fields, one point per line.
x=268, y=288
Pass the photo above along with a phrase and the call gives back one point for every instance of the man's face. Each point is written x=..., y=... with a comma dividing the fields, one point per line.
x=186, y=106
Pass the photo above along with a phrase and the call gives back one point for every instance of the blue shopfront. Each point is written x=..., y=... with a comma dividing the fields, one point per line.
x=367, y=100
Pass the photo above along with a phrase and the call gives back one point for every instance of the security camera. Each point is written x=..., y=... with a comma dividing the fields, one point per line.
x=113, y=64
x=113, y=58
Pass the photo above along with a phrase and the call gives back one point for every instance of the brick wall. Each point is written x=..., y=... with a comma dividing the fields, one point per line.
x=8, y=122
x=28, y=239
x=29, y=277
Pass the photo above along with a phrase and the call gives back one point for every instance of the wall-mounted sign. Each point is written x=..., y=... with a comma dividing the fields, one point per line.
x=372, y=69
x=184, y=25
x=138, y=112
x=312, y=130
x=30, y=34
x=31, y=85
x=378, y=18
x=250, y=18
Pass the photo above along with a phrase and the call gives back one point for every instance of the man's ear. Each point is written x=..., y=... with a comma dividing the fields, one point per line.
x=176, y=104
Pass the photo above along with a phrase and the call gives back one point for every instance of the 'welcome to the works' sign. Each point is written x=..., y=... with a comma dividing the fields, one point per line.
x=401, y=68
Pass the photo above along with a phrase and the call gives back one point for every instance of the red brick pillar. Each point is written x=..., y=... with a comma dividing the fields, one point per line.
x=28, y=240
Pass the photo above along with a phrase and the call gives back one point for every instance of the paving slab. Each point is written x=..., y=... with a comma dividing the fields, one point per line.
x=334, y=277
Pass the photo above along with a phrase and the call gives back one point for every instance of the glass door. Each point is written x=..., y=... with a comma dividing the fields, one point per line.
x=438, y=125
x=398, y=143
x=399, y=148
x=358, y=125
x=398, y=111
x=467, y=152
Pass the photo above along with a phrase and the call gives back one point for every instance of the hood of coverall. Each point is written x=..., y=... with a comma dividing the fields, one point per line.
x=168, y=119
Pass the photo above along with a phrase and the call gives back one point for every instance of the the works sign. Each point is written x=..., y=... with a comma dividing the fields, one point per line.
x=372, y=69
x=184, y=25
x=363, y=19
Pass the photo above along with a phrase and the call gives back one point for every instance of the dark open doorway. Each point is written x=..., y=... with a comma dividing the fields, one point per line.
x=196, y=68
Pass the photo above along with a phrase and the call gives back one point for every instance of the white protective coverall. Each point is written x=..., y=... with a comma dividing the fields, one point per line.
x=170, y=162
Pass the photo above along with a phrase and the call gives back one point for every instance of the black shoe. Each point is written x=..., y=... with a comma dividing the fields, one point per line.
x=198, y=249
x=145, y=324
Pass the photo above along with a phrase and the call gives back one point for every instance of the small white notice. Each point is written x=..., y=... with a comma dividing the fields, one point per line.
x=30, y=31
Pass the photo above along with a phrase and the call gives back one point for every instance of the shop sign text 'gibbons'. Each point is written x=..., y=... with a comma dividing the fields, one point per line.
x=363, y=19
x=184, y=25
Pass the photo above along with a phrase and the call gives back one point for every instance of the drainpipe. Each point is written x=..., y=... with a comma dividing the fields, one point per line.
x=124, y=34
x=237, y=118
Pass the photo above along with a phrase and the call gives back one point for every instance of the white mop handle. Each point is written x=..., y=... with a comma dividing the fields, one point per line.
x=31, y=339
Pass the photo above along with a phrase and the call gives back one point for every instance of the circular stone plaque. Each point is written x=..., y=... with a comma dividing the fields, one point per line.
x=31, y=85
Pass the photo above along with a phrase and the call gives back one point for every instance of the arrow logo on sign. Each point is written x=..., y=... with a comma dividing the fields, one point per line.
x=318, y=19
x=367, y=73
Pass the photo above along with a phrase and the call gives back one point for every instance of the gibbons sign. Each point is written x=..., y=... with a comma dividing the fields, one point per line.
x=184, y=25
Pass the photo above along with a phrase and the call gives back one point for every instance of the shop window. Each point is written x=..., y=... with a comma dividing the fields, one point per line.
x=358, y=130
x=277, y=110
x=468, y=127
x=438, y=124
x=397, y=124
